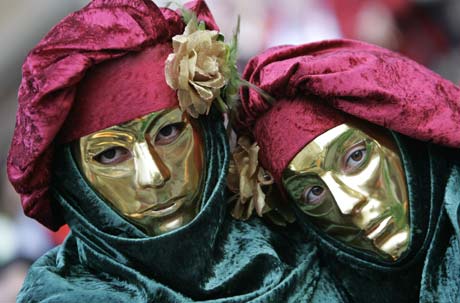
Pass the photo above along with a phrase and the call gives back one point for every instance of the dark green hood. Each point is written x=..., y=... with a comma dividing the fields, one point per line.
x=432, y=175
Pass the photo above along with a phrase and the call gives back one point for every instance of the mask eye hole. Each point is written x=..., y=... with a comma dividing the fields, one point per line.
x=355, y=157
x=113, y=155
x=313, y=195
x=169, y=133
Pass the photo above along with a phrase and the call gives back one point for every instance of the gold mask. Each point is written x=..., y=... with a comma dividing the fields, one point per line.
x=350, y=182
x=149, y=169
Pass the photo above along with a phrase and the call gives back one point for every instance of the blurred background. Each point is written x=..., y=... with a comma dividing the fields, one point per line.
x=428, y=31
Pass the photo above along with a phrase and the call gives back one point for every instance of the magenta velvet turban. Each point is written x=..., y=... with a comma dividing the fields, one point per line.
x=320, y=85
x=98, y=67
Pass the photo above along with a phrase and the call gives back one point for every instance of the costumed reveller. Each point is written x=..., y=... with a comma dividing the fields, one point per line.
x=364, y=145
x=119, y=136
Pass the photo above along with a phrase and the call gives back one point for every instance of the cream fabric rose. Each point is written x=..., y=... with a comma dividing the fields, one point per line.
x=246, y=177
x=196, y=68
x=254, y=187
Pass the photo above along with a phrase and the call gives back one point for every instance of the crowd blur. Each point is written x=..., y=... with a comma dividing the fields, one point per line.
x=426, y=30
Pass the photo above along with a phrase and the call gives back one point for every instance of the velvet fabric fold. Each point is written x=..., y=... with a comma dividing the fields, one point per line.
x=429, y=270
x=214, y=258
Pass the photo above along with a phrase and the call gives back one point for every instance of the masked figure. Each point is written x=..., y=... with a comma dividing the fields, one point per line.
x=364, y=145
x=112, y=140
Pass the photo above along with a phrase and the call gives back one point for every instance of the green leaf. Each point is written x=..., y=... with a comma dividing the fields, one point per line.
x=231, y=71
x=260, y=91
x=187, y=15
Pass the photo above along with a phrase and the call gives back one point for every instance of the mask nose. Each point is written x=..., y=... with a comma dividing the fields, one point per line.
x=348, y=200
x=150, y=170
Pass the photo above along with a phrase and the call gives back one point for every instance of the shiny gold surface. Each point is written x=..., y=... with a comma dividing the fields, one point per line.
x=351, y=182
x=149, y=169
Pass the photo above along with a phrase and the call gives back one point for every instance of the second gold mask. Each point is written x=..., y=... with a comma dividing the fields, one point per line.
x=350, y=182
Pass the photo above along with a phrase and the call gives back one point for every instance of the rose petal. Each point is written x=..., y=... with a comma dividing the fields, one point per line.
x=233, y=177
x=253, y=154
x=199, y=105
x=208, y=65
x=179, y=45
x=190, y=28
x=217, y=82
x=200, y=41
x=242, y=211
x=244, y=142
x=259, y=200
x=204, y=93
x=245, y=184
x=170, y=74
x=185, y=99
x=183, y=74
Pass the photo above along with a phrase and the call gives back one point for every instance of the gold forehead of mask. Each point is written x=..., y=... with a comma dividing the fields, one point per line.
x=148, y=169
x=350, y=182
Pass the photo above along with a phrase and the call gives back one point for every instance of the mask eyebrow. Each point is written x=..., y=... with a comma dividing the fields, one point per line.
x=142, y=123
x=140, y=126
x=168, y=117
x=321, y=150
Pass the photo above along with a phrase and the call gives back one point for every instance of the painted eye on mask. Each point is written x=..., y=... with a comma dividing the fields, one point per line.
x=355, y=157
x=113, y=155
x=313, y=195
x=169, y=133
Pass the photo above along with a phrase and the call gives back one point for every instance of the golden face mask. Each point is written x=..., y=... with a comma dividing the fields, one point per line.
x=351, y=183
x=149, y=169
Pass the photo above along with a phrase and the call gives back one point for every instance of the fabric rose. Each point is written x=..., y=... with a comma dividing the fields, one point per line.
x=253, y=187
x=246, y=177
x=196, y=69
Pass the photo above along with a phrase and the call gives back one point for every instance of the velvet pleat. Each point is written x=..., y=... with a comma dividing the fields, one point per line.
x=212, y=259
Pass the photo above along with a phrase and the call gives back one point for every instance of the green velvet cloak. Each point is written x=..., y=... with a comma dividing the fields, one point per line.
x=214, y=258
x=430, y=269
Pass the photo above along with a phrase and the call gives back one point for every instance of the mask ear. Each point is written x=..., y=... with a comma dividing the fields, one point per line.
x=200, y=8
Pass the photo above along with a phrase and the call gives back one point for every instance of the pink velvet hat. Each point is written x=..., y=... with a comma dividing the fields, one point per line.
x=100, y=66
x=320, y=85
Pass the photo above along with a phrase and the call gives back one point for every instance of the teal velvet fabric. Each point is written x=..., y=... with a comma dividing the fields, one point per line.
x=430, y=270
x=212, y=259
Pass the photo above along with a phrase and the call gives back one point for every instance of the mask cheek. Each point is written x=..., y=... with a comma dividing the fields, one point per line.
x=175, y=155
x=119, y=192
x=369, y=178
x=327, y=212
x=114, y=184
x=184, y=159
